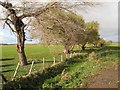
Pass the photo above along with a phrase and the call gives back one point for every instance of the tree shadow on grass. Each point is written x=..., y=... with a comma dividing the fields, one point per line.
x=6, y=59
x=99, y=49
x=111, y=48
x=36, y=80
x=4, y=71
x=7, y=65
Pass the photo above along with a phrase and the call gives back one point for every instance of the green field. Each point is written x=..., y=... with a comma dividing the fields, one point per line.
x=34, y=53
x=107, y=55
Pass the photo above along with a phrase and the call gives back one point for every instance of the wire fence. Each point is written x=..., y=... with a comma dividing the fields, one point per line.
x=43, y=63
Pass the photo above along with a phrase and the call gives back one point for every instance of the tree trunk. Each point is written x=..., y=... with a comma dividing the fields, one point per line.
x=71, y=49
x=22, y=57
x=20, y=47
x=18, y=29
x=19, y=26
x=86, y=40
x=101, y=45
x=83, y=47
x=66, y=50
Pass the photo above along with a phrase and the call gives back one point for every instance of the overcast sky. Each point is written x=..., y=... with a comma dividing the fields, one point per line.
x=106, y=14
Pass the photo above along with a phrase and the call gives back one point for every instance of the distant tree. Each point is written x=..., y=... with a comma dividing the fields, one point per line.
x=60, y=26
x=109, y=42
x=68, y=28
x=90, y=34
x=101, y=42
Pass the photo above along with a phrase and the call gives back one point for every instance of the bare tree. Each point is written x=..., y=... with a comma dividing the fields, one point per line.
x=14, y=20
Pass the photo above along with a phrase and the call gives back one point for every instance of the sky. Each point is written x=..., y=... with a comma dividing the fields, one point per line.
x=106, y=14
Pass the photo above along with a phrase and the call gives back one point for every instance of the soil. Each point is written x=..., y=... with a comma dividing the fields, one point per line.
x=107, y=78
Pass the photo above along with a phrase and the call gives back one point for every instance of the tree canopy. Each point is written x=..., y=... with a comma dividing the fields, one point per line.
x=68, y=28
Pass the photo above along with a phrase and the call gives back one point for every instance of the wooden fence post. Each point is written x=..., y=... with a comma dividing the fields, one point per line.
x=16, y=70
x=78, y=46
x=61, y=58
x=31, y=67
x=70, y=55
x=53, y=60
x=43, y=63
x=74, y=54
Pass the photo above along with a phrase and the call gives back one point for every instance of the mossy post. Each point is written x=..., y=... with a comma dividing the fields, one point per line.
x=61, y=58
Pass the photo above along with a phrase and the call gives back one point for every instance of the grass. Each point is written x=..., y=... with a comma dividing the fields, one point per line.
x=33, y=52
x=78, y=71
x=81, y=70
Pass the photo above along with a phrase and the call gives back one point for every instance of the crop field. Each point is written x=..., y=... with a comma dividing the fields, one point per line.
x=38, y=52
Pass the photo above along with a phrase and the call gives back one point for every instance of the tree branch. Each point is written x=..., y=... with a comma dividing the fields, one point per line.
x=40, y=10
x=6, y=5
x=10, y=26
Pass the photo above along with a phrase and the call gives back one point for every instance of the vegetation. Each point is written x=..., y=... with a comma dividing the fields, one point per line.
x=84, y=53
x=9, y=51
x=70, y=73
x=66, y=28
x=76, y=75
x=16, y=14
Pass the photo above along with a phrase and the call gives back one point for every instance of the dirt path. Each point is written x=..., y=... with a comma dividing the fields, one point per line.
x=107, y=78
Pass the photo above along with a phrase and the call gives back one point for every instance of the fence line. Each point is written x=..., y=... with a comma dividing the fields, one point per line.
x=70, y=55
x=31, y=67
x=53, y=60
x=43, y=63
x=61, y=58
x=16, y=70
x=74, y=54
